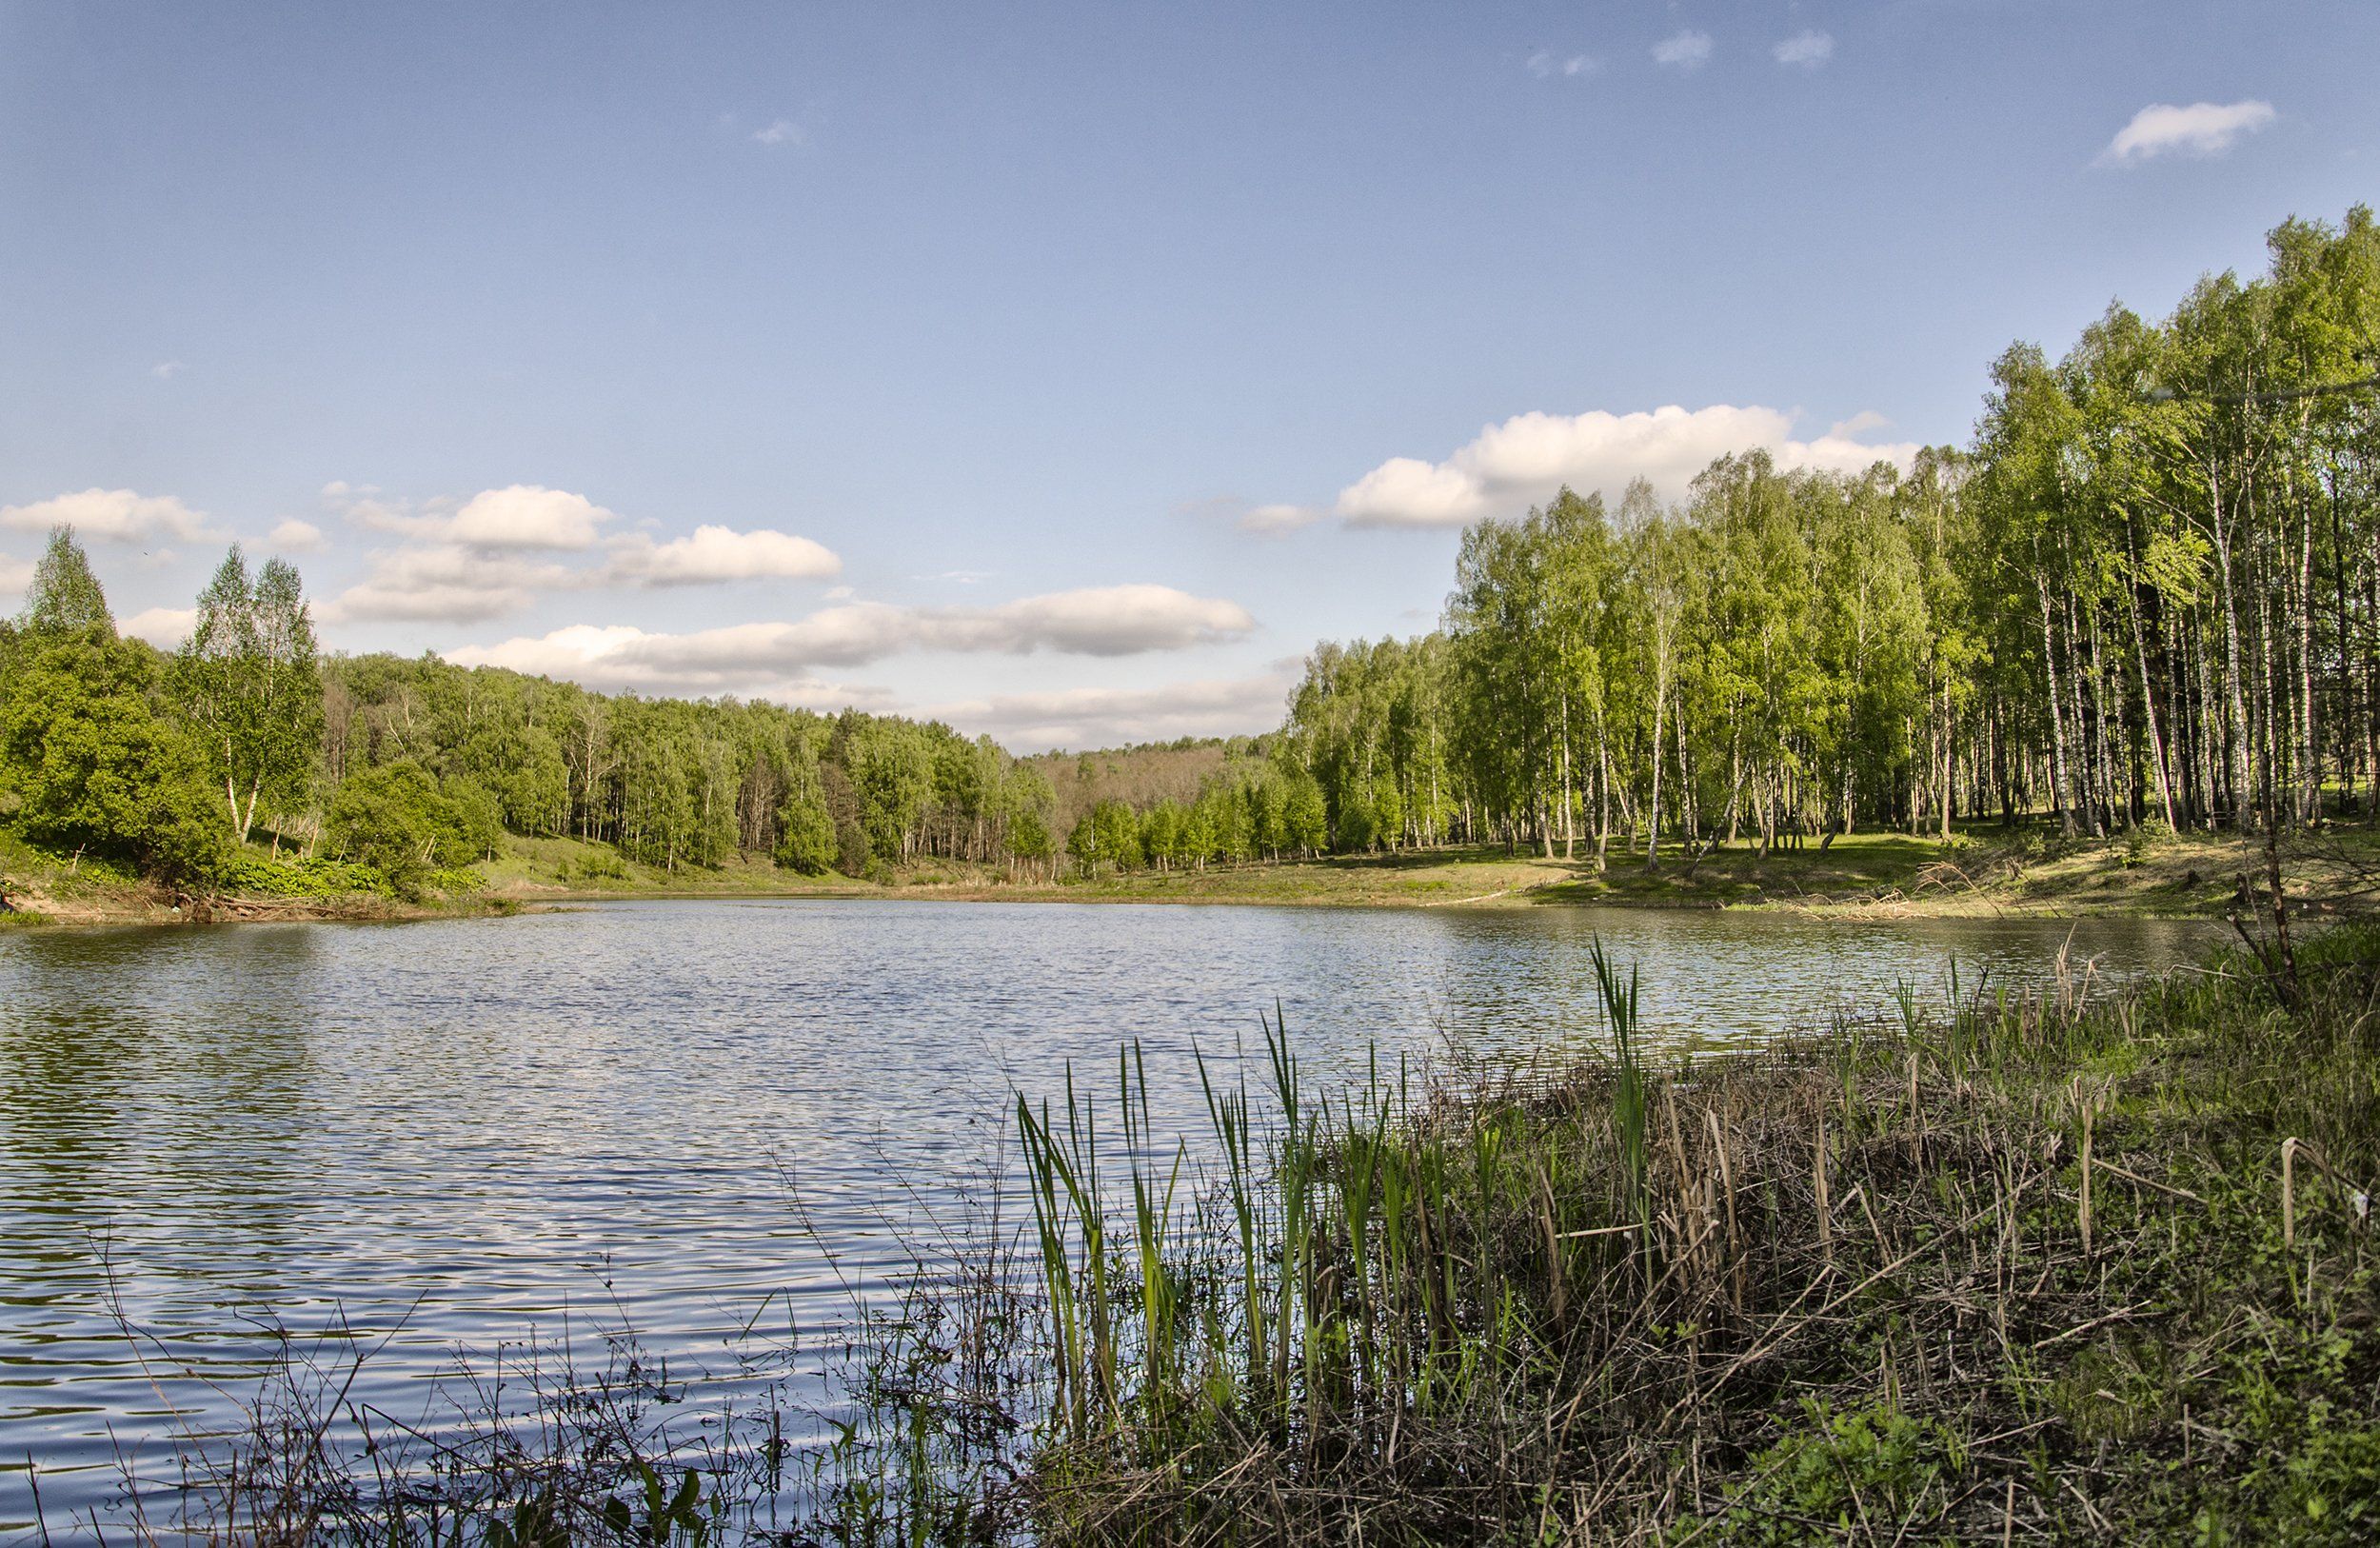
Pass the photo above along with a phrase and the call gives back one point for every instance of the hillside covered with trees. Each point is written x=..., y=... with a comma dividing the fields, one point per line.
x=2147, y=590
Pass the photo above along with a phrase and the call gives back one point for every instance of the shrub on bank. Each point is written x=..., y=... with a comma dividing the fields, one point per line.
x=260, y=876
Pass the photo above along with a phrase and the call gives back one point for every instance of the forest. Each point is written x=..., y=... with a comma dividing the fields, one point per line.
x=2146, y=591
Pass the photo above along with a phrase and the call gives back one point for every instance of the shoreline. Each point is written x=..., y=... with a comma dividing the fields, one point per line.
x=1876, y=877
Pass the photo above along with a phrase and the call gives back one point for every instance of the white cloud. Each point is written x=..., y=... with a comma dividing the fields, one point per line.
x=1544, y=65
x=518, y=516
x=783, y=131
x=163, y=628
x=295, y=537
x=110, y=516
x=1683, y=50
x=1808, y=49
x=1113, y=621
x=166, y=370
x=527, y=516
x=16, y=575
x=1523, y=461
x=717, y=554
x=2203, y=129
x=1079, y=718
x=1100, y=620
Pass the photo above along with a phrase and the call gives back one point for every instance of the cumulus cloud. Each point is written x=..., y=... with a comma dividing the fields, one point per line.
x=1523, y=461
x=1683, y=50
x=1107, y=621
x=713, y=555
x=15, y=576
x=110, y=516
x=2203, y=129
x=163, y=628
x=1808, y=49
x=1100, y=620
x=783, y=131
x=166, y=370
x=1079, y=718
x=295, y=537
x=527, y=516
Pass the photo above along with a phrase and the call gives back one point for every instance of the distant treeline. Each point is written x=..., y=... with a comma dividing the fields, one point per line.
x=172, y=762
x=2146, y=590
x=169, y=762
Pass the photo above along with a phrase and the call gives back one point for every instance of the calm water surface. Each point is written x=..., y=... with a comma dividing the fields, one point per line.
x=667, y=1115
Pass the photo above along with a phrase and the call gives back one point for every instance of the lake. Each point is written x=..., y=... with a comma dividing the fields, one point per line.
x=699, y=1120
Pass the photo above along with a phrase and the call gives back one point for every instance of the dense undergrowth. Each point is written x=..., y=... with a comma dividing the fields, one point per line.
x=1985, y=1267
x=250, y=874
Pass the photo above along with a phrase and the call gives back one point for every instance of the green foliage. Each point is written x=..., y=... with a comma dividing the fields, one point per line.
x=91, y=763
x=394, y=820
x=1842, y=1472
x=250, y=874
x=65, y=597
x=247, y=682
x=806, y=827
x=805, y=835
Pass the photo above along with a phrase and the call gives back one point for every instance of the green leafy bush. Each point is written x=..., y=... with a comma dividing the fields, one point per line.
x=95, y=768
x=259, y=875
x=1834, y=1469
x=395, y=820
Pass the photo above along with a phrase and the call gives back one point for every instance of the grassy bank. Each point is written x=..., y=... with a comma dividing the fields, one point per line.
x=1983, y=870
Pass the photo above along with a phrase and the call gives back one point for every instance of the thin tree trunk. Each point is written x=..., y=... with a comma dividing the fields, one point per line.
x=2059, y=777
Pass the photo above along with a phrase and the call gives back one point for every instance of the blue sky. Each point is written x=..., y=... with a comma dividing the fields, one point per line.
x=1063, y=370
